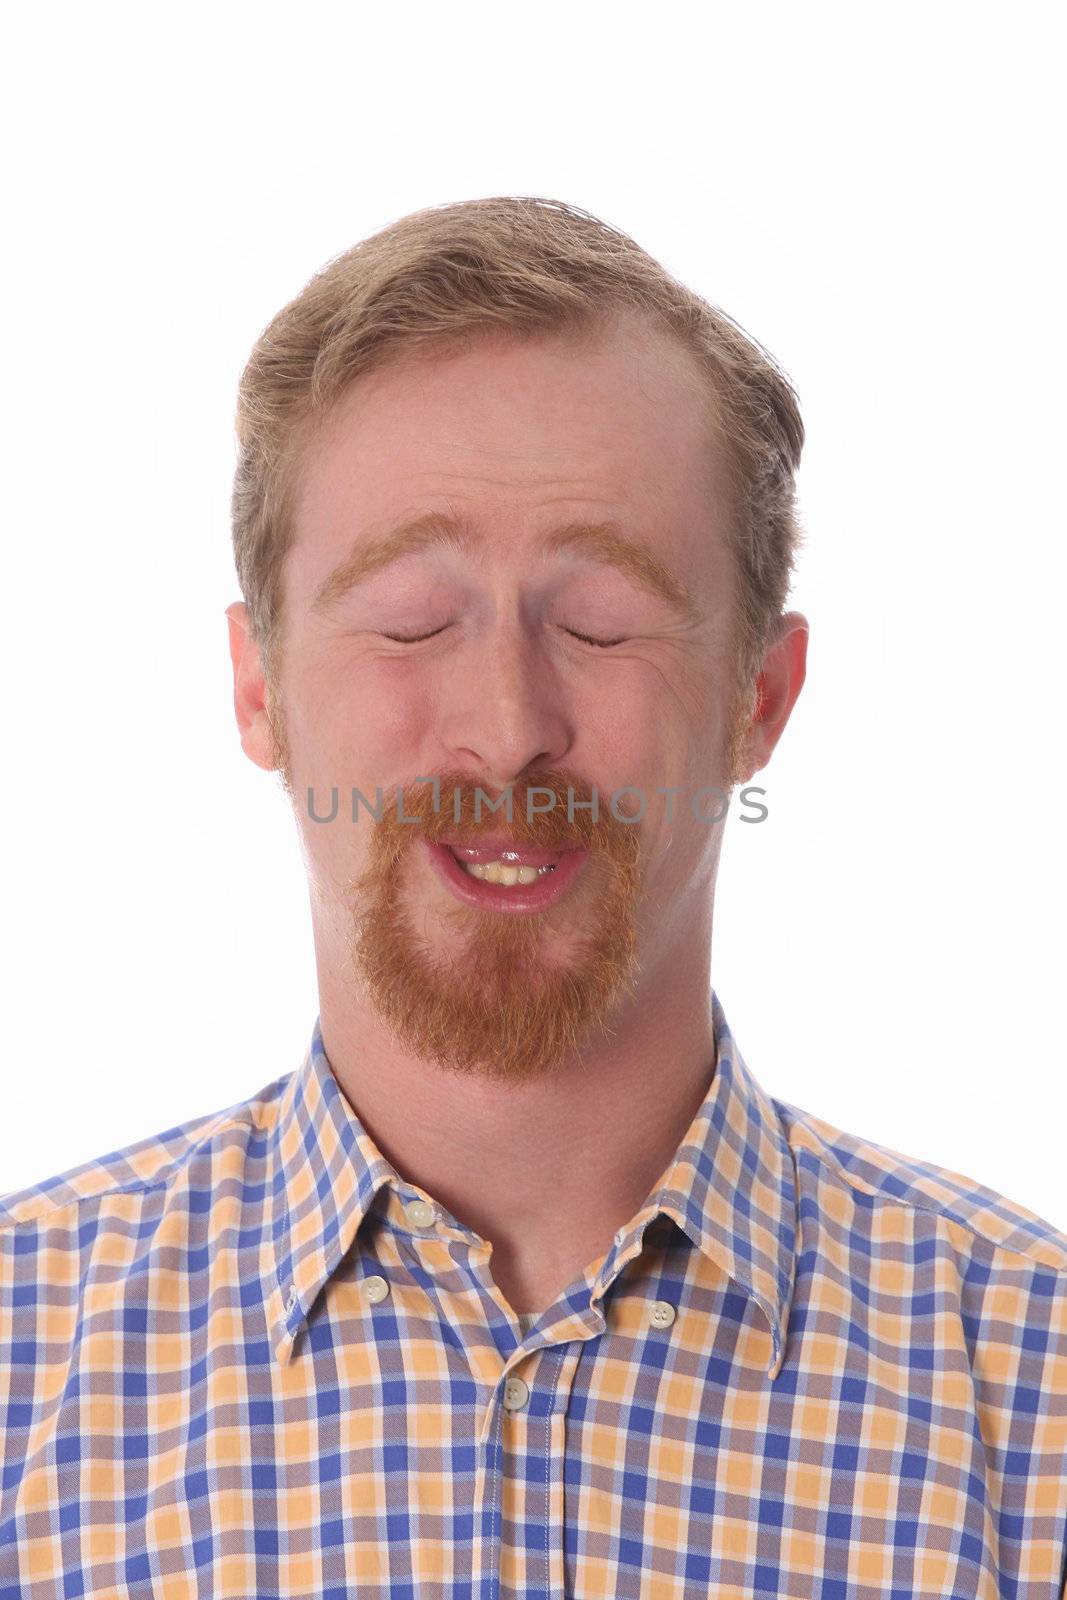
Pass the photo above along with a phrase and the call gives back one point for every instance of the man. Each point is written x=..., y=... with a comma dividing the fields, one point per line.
x=521, y=1284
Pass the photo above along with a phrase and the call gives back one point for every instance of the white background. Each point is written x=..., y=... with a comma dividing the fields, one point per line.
x=874, y=192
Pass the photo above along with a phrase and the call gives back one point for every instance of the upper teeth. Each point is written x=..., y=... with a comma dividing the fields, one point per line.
x=503, y=871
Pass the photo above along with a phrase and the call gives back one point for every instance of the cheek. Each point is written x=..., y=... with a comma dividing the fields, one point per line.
x=364, y=719
x=655, y=742
x=642, y=730
x=390, y=723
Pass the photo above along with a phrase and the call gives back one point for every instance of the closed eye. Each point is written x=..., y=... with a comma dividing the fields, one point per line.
x=601, y=644
x=416, y=638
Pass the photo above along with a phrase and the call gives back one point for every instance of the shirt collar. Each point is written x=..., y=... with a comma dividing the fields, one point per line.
x=325, y=1171
x=731, y=1188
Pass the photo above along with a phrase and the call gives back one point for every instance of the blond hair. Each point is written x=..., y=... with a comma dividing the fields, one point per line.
x=529, y=266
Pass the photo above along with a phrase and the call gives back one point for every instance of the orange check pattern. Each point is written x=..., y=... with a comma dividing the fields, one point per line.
x=248, y=1358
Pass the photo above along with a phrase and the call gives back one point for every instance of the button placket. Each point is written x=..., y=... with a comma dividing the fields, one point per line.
x=419, y=1214
x=661, y=1314
x=516, y=1394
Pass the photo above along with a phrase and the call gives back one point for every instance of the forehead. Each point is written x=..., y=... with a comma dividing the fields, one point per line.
x=518, y=435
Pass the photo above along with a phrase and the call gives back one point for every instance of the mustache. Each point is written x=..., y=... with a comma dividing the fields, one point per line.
x=548, y=808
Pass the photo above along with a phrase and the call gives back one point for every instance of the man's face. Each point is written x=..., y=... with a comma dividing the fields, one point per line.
x=519, y=444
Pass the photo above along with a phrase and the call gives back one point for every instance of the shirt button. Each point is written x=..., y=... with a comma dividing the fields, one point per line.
x=290, y=1299
x=516, y=1394
x=375, y=1289
x=419, y=1214
x=661, y=1313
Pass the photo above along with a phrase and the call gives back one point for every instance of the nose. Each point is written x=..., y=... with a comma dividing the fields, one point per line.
x=504, y=711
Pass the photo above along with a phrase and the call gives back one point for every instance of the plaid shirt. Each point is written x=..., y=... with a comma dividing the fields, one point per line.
x=247, y=1358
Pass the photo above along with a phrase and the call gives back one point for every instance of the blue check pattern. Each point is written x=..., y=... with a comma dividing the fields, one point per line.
x=247, y=1358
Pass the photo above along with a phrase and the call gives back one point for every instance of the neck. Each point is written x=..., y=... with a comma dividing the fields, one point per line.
x=526, y=1166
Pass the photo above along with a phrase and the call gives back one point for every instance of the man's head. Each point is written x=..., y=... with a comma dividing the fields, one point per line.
x=514, y=509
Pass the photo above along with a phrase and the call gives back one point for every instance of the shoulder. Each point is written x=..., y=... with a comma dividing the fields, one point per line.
x=145, y=1169
x=874, y=1177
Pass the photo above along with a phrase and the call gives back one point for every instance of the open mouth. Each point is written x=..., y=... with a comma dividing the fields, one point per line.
x=501, y=875
x=491, y=861
x=504, y=871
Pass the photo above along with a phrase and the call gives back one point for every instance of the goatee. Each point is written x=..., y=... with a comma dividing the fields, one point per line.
x=492, y=999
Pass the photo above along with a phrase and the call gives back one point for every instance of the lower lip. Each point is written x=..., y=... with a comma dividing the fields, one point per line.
x=515, y=899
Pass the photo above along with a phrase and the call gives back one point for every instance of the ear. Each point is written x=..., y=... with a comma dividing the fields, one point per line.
x=779, y=683
x=249, y=689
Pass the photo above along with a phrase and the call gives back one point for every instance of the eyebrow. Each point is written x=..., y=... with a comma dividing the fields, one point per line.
x=598, y=541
